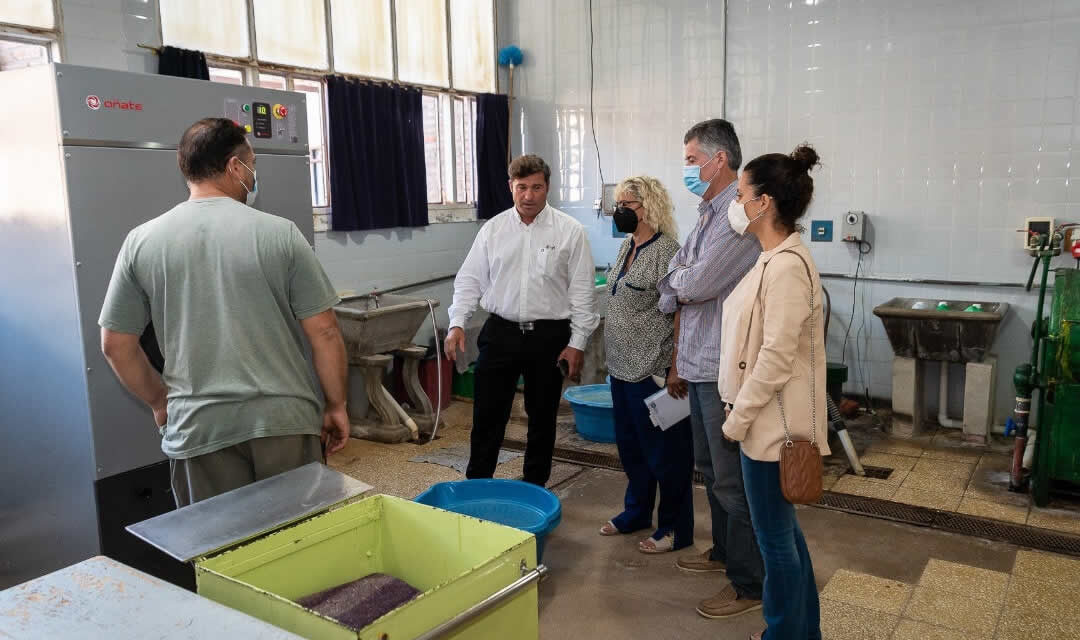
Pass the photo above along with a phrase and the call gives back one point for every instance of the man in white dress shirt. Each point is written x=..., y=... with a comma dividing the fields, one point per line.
x=531, y=268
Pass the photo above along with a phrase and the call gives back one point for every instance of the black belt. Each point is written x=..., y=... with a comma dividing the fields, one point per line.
x=532, y=325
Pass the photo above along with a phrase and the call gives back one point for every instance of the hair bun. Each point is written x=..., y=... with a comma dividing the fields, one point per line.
x=805, y=157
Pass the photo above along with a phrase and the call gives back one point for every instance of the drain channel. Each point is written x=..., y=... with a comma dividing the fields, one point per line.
x=1019, y=535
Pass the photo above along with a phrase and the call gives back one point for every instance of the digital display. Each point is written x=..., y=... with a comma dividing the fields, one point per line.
x=261, y=122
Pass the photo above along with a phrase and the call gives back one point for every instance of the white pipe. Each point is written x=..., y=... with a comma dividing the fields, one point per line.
x=414, y=430
x=943, y=401
x=1029, y=451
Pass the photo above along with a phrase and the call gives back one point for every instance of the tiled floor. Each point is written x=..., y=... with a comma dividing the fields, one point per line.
x=953, y=600
x=938, y=471
x=387, y=467
x=879, y=580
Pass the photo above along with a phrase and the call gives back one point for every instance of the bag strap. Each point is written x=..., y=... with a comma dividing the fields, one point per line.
x=813, y=373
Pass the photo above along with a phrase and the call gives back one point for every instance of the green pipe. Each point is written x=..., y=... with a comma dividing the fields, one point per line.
x=1037, y=333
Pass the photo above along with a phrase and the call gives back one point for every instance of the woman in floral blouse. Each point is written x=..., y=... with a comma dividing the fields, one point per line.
x=639, y=334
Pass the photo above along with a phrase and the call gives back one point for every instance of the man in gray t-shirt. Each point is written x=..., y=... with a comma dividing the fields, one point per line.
x=231, y=292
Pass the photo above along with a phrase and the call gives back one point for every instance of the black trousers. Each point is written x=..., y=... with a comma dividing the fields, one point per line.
x=507, y=352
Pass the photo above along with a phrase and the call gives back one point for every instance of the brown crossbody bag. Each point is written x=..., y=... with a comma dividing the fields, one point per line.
x=801, y=467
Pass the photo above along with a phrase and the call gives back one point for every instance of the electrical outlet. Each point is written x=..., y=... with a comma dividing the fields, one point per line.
x=821, y=231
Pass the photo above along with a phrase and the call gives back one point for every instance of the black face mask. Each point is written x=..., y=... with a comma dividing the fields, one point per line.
x=625, y=220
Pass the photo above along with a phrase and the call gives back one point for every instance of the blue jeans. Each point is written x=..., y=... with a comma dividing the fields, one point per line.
x=790, y=600
x=653, y=458
x=718, y=460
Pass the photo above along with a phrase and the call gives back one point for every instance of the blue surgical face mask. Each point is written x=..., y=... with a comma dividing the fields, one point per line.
x=691, y=176
x=253, y=192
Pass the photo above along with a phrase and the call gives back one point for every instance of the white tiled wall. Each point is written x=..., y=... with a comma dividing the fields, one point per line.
x=948, y=122
x=658, y=70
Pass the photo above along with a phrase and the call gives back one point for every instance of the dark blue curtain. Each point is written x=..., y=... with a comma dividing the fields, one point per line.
x=378, y=178
x=182, y=63
x=492, y=141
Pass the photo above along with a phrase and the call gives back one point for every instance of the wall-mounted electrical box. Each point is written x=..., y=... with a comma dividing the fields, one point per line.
x=1034, y=228
x=854, y=227
x=605, y=205
x=821, y=231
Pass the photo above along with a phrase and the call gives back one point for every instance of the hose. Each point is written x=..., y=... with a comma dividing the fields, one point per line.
x=438, y=371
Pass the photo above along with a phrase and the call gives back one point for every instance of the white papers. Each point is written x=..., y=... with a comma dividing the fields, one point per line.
x=665, y=411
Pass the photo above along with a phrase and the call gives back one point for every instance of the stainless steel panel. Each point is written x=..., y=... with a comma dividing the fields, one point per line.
x=47, y=516
x=111, y=191
x=135, y=109
x=200, y=529
x=101, y=598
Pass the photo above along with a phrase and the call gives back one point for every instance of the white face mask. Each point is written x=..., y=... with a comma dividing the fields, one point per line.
x=253, y=192
x=736, y=215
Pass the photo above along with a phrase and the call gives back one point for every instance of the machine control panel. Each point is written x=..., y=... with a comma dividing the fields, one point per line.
x=264, y=120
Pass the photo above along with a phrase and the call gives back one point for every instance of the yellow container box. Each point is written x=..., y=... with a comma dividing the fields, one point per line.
x=477, y=579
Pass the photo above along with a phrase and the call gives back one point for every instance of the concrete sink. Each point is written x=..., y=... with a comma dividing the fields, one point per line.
x=376, y=328
x=917, y=329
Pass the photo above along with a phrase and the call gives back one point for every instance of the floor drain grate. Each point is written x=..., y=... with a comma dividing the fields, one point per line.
x=879, y=473
x=1020, y=535
x=1017, y=534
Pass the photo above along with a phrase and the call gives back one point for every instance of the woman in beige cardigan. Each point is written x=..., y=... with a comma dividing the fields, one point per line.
x=772, y=377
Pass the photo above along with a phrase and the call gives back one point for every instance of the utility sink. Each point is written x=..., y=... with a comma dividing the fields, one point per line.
x=376, y=328
x=917, y=329
x=384, y=323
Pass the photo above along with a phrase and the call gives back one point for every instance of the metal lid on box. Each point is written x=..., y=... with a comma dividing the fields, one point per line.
x=203, y=528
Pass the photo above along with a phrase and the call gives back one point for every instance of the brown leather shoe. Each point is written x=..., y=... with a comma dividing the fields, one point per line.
x=699, y=563
x=727, y=604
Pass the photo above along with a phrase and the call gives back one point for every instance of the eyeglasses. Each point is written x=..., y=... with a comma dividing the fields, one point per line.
x=623, y=203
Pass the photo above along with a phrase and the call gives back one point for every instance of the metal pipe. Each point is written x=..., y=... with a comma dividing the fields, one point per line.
x=487, y=603
x=947, y=283
x=412, y=285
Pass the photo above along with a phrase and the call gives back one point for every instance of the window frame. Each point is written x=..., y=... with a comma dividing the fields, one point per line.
x=51, y=39
x=40, y=31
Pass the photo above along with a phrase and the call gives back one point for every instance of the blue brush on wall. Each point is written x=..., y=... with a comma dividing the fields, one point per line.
x=510, y=56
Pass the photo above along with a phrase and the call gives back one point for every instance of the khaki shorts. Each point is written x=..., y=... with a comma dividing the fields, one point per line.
x=205, y=476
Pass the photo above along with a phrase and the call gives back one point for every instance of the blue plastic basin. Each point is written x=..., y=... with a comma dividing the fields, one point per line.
x=509, y=502
x=593, y=413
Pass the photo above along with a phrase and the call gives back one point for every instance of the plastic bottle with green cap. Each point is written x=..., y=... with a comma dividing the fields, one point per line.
x=943, y=306
x=974, y=307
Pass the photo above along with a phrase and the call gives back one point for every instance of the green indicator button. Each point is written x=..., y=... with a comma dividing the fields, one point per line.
x=247, y=108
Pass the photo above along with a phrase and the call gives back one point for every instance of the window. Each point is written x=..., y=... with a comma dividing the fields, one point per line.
x=367, y=35
x=271, y=81
x=37, y=14
x=282, y=44
x=449, y=142
x=210, y=26
x=421, y=42
x=432, y=149
x=16, y=54
x=473, y=48
x=313, y=91
x=292, y=32
x=226, y=75
x=363, y=42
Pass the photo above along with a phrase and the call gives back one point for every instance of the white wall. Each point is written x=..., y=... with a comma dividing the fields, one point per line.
x=658, y=70
x=947, y=122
